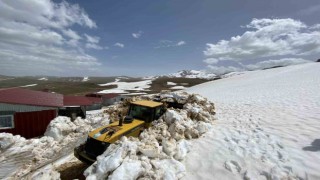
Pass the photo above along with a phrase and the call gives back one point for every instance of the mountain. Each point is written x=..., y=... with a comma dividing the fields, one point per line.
x=193, y=74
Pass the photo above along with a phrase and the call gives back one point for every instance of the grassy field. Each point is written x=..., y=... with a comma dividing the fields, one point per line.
x=75, y=85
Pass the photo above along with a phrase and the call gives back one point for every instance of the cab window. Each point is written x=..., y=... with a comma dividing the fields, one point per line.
x=141, y=112
x=158, y=113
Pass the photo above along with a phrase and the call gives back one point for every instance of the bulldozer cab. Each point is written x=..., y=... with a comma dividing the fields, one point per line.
x=146, y=111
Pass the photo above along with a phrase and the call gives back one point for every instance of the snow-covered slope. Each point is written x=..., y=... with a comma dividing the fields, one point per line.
x=124, y=87
x=192, y=74
x=267, y=128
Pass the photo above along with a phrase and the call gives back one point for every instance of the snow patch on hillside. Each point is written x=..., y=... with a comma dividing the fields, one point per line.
x=29, y=85
x=43, y=79
x=85, y=79
x=124, y=87
x=171, y=83
x=177, y=87
x=192, y=74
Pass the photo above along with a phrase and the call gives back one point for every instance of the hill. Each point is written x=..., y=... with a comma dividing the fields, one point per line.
x=84, y=85
x=267, y=126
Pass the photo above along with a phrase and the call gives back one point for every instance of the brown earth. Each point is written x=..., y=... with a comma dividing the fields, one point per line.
x=75, y=86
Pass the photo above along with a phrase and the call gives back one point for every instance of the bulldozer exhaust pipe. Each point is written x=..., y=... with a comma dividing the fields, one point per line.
x=120, y=120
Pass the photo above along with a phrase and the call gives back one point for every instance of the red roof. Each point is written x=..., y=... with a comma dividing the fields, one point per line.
x=30, y=97
x=109, y=96
x=76, y=101
x=95, y=99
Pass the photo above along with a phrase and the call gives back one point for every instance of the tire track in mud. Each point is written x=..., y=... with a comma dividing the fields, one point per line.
x=72, y=170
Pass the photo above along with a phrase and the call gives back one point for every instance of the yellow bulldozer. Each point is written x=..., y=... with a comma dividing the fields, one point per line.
x=139, y=117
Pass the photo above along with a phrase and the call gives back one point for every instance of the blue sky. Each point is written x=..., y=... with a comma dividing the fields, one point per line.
x=171, y=35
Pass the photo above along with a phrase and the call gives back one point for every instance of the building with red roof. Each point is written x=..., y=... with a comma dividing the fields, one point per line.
x=30, y=97
x=76, y=101
x=107, y=99
x=28, y=113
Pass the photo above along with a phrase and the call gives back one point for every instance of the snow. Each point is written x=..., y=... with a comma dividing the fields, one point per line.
x=123, y=77
x=59, y=127
x=20, y=156
x=116, y=91
x=124, y=87
x=29, y=85
x=47, y=173
x=193, y=74
x=267, y=128
x=276, y=63
x=43, y=79
x=62, y=126
x=171, y=83
x=171, y=168
x=231, y=74
x=51, y=171
x=135, y=94
x=159, y=151
x=130, y=169
x=85, y=79
x=177, y=87
x=94, y=112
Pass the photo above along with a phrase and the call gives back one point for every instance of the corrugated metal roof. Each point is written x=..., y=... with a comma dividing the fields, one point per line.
x=76, y=101
x=30, y=97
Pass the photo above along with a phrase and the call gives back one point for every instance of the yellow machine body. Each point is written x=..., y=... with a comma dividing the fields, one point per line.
x=140, y=115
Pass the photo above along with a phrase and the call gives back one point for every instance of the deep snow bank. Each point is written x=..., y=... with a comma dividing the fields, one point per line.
x=19, y=156
x=62, y=126
x=158, y=152
x=268, y=126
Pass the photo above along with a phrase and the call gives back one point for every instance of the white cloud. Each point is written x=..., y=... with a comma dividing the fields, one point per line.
x=316, y=26
x=45, y=13
x=180, y=43
x=168, y=43
x=220, y=70
x=211, y=61
x=74, y=37
x=93, y=46
x=310, y=10
x=119, y=45
x=92, y=39
x=268, y=38
x=37, y=38
x=92, y=42
x=71, y=34
x=276, y=63
x=137, y=34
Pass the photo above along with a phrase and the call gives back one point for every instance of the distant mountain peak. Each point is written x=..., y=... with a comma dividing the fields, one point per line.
x=193, y=74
